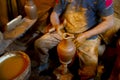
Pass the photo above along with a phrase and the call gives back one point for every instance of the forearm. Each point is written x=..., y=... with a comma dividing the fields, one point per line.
x=54, y=18
x=102, y=27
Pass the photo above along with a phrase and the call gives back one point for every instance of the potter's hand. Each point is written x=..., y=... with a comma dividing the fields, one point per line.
x=60, y=29
x=51, y=30
x=79, y=40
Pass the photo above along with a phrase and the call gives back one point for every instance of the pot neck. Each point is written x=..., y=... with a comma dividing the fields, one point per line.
x=67, y=41
x=29, y=2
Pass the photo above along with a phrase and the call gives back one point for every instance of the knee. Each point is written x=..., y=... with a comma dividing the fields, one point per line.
x=39, y=43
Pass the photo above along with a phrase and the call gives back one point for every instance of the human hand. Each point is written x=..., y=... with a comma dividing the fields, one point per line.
x=54, y=28
x=51, y=30
x=60, y=30
x=80, y=40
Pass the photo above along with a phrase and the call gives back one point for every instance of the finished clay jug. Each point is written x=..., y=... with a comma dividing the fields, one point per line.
x=30, y=9
x=1, y=36
x=66, y=50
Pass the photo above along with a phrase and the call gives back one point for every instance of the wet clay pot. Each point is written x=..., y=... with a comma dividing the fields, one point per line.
x=66, y=49
x=30, y=9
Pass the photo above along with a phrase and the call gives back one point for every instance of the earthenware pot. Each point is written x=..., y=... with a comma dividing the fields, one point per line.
x=66, y=51
x=1, y=37
x=31, y=9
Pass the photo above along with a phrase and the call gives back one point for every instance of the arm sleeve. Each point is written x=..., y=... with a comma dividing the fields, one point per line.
x=105, y=7
x=60, y=6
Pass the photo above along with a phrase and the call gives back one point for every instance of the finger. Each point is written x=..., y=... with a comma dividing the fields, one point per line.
x=51, y=30
x=78, y=45
x=75, y=42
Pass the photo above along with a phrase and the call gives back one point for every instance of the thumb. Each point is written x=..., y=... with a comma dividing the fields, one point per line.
x=64, y=22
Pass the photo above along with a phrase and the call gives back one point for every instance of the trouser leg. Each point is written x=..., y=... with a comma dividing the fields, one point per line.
x=44, y=44
x=88, y=55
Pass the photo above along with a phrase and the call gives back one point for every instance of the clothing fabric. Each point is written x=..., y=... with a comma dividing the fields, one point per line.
x=93, y=10
x=87, y=52
x=80, y=16
x=88, y=58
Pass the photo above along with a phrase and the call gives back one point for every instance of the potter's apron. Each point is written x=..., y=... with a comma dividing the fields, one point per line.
x=75, y=18
x=76, y=23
